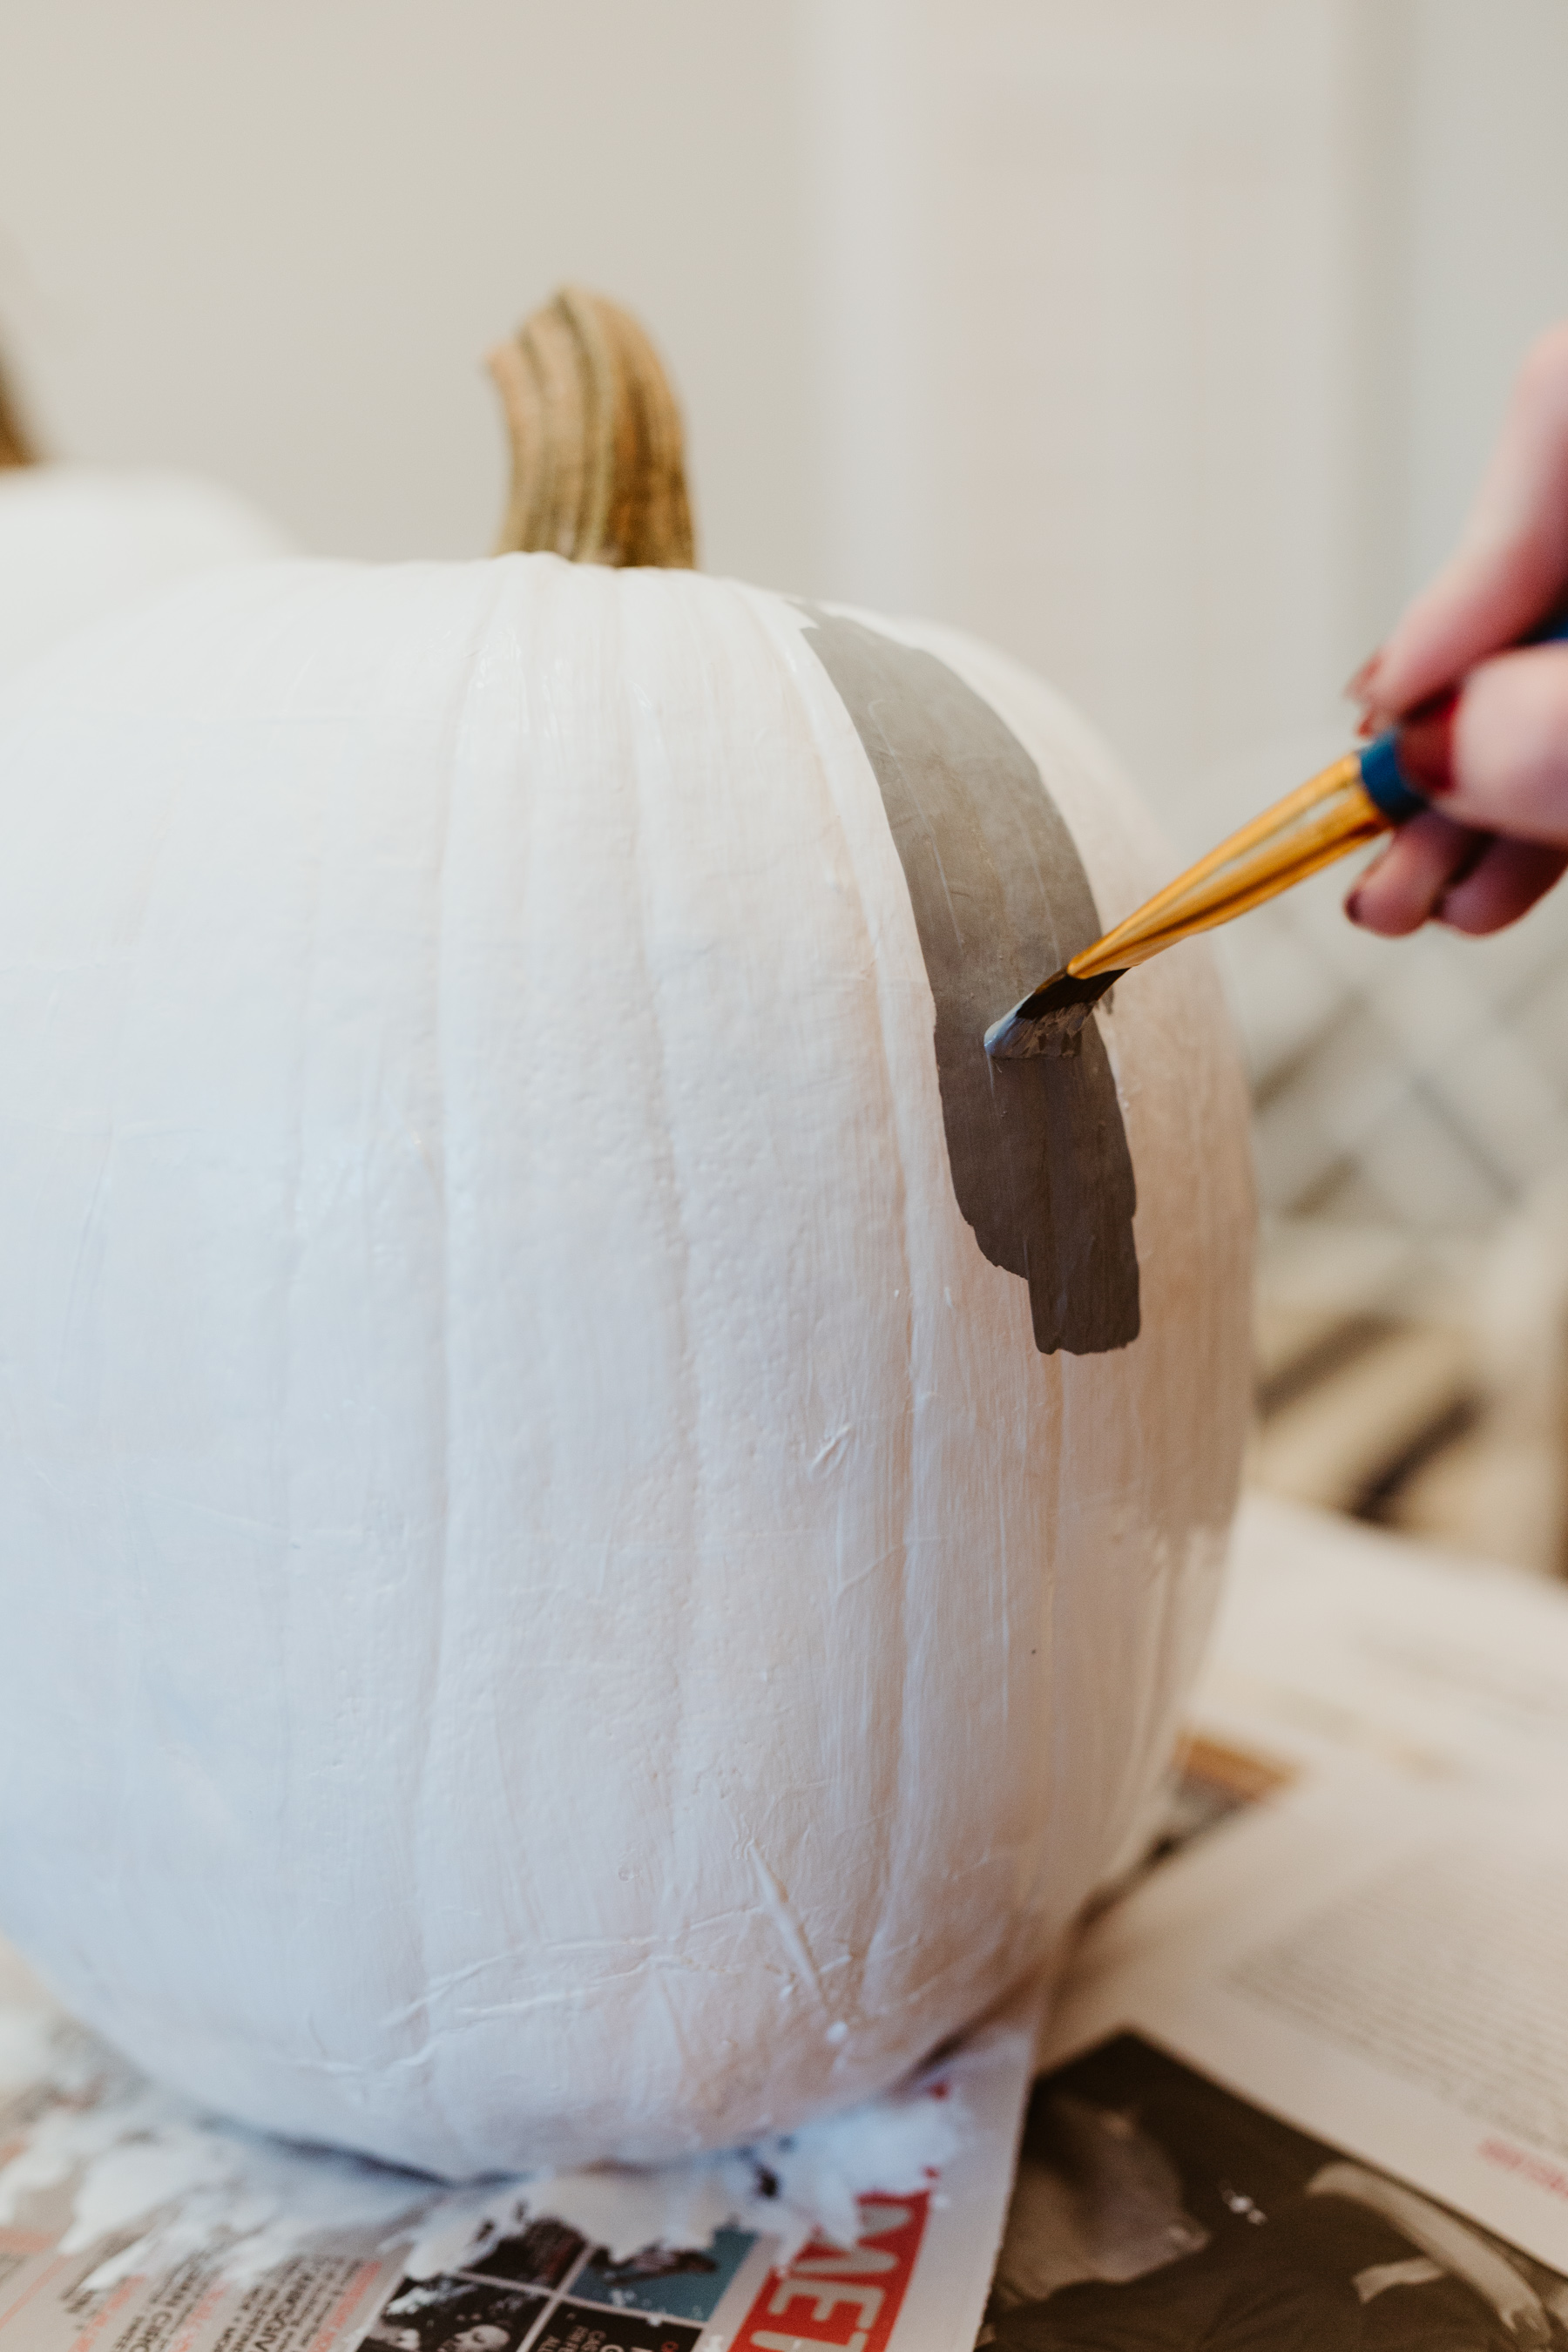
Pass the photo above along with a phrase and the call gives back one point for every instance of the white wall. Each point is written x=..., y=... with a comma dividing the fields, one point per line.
x=1097, y=295
x=1159, y=339
x=1487, y=234
x=271, y=238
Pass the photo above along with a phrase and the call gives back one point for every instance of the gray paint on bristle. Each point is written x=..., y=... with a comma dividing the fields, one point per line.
x=1050, y=1021
x=1040, y=1165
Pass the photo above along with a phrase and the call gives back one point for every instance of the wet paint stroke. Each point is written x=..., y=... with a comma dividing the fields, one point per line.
x=1039, y=1153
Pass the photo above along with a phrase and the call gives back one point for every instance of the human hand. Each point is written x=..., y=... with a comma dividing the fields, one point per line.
x=1494, y=756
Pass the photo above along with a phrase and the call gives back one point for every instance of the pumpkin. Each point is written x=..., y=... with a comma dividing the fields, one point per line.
x=79, y=542
x=605, y=1525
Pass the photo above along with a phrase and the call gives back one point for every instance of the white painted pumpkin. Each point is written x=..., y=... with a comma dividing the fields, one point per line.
x=79, y=542
x=556, y=1608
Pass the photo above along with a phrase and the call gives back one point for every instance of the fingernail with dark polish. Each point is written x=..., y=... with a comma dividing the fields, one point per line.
x=1353, y=906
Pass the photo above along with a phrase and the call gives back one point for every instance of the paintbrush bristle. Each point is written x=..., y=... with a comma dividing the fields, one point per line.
x=1049, y=1020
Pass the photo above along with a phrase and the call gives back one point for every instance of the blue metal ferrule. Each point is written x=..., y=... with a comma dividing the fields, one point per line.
x=1386, y=782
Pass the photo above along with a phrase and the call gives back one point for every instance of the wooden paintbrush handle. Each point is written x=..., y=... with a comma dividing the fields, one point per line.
x=1311, y=827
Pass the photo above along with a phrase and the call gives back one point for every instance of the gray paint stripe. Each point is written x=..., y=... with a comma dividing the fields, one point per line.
x=1040, y=1165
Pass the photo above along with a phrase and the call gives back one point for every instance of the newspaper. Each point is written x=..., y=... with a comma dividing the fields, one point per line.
x=127, y=2215
x=1307, y=2083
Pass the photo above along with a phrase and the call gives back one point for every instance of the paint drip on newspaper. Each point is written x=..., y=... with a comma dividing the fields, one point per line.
x=156, y=2180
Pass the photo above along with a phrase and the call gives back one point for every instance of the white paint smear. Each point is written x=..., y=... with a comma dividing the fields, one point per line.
x=155, y=2181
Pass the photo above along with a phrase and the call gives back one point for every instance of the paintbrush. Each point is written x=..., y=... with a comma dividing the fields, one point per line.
x=1367, y=793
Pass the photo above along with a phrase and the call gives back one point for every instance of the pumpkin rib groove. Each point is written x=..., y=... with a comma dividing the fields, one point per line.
x=454, y=740
x=801, y=668
x=650, y=793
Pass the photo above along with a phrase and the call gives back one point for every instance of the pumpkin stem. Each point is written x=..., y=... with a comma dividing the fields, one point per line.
x=16, y=449
x=599, y=469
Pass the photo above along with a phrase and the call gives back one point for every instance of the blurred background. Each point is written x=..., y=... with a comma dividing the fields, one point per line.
x=1158, y=340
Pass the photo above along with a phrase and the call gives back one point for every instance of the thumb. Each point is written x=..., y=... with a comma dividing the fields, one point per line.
x=1510, y=747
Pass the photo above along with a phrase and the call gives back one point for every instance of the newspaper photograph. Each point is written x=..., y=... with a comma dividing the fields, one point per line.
x=1155, y=2208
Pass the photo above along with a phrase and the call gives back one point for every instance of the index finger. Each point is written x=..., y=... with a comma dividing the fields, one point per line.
x=1511, y=564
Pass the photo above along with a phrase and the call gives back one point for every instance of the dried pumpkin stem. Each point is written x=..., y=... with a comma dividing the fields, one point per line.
x=16, y=449
x=598, y=472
